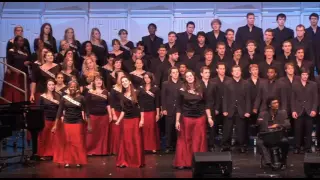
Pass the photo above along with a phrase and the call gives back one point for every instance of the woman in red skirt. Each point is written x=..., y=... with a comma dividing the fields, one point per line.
x=72, y=106
x=191, y=121
x=19, y=58
x=149, y=100
x=50, y=100
x=100, y=116
x=130, y=152
x=114, y=130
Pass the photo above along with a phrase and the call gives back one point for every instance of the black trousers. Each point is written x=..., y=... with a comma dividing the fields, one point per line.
x=318, y=130
x=264, y=149
x=303, y=128
x=241, y=132
x=214, y=131
x=171, y=133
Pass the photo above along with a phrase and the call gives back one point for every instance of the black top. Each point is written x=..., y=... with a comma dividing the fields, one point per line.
x=286, y=85
x=243, y=35
x=97, y=103
x=72, y=109
x=16, y=58
x=191, y=104
x=128, y=65
x=266, y=119
x=50, y=106
x=76, y=46
x=211, y=66
x=304, y=99
x=40, y=76
x=191, y=63
x=212, y=41
x=200, y=50
x=307, y=65
x=315, y=39
x=162, y=72
x=282, y=35
x=50, y=45
x=63, y=91
x=263, y=68
x=114, y=99
x=130, y=108
x=243, y=63
x=101, y=51
x=152, y=46
x=137, y=79
x=169, y=95
x=284, y=59
x=174, y=46
x=256, y=58
x=26, y=45
x=274, y=44
x=307, y=46
x=220, y=91
x=155, y=63
x=127, y=48
x=183, y=40
x=149, y=100
x=67, y=77
x=254, y=91
x=229, y=49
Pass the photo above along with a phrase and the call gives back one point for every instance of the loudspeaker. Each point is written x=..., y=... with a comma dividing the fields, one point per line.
x=211, y=163
x=312, y=164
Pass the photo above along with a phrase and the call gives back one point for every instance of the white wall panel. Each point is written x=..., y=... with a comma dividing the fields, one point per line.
x=31, y=30
x=109, y=27
x=236, y=21
x=202, y=24
x=139, y=27
x=61, y=22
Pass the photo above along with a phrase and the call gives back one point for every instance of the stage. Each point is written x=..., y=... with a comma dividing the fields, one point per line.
x=157, y=166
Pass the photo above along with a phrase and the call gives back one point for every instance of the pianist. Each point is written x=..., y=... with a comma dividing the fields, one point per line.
x=270, y=121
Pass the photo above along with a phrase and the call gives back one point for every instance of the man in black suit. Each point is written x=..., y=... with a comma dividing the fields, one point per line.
x=313, y=33
x=169, y=95
x=236, y=108
x=317, y=80
x=282, y=33
x=216, y=35
x=238, y=60
x=187, y=37
x=189, y=58
x=251, y=54
x=269, y=120
x=152, y=42
x=249, y=32
x=304, y=106
x=155, y=63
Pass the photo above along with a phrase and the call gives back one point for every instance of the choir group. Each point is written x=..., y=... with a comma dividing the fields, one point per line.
x=101, y=102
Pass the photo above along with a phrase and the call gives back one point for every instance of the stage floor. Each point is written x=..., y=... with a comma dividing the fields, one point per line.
x=157, y=166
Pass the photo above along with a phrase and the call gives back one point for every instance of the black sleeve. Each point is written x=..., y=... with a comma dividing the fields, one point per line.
x=85, y=108
x=209, y=97
x=54, y=45
x=35, y=44
x=179, y=101
x=8, y=47
x=157, y=96
x=163, y=96
x=60, y=109
x=10, y=59
x=27, y=45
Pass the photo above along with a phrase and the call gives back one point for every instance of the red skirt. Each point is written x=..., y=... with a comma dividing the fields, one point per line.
x=11, y=93
x=114, y=134
x=46, y=140
x=130, y=152
x=97, y=140
x=59, y=143
x=150, y=132
x=74, y=151
x=191, y=138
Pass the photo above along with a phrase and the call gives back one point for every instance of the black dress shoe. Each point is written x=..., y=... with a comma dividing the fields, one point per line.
x=308, y=151
x=167, y=151
x=224, y=149
x=296, y=151
x=243, y=150
x=180, y=167
x=211, y=149
x=283, y=167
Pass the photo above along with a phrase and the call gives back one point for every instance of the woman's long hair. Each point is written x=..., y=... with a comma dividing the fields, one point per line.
x=54, y=95
x=92, y=32
x=83, y=51
x=65, y=34
x=196, y=84
x=133, y=94
x=85, y=66
x=152, y=79
x=50, y=36
x=94, y=87
x=16, y=46
x=64, y=63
